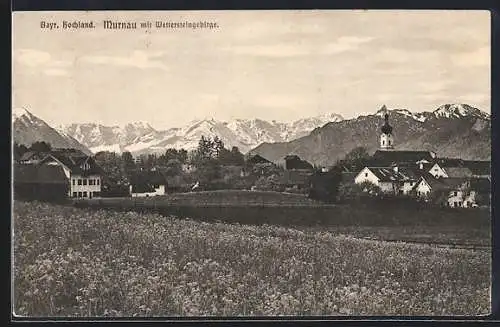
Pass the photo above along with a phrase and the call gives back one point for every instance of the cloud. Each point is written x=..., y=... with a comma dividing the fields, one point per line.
x=478, y=57
x=43, y=60
x=31, y=57
x=295, y=49
x=55, y=72
x=137, y=59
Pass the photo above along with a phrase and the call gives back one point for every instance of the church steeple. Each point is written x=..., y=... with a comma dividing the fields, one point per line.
x=386, y=138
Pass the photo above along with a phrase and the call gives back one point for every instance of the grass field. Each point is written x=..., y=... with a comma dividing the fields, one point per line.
x=81, y=262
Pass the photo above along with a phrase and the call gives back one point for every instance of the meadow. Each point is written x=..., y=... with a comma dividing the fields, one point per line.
x=81, y=262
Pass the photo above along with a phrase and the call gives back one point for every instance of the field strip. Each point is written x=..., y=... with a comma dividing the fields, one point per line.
x=428, y=244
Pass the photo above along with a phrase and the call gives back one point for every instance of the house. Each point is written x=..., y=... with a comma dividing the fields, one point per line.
x=83, y=174
x=479, y=193
x=257, y=159
x=479, y=169
x=395, y=180
x=147, y=183
x=458, y=168
x=42, y=182
x=32, y=157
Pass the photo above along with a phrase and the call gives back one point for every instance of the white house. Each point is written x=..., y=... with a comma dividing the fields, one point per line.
x=396, y=180
x=82, y=172
x=147, y=183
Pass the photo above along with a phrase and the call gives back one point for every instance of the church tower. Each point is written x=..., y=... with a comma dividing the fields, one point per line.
x=386, y=138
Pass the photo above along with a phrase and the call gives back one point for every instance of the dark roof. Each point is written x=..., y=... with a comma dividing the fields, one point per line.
x=386, y=158
x=148, y=177
x=255, y=159
x=74, y=161
x=142, y=187
x=389, y=174
x=458, y=172
x=39, y=174
x=294, y=162
x=443, y=183
x=478, y=167
x=30, y=155
x=480, y=185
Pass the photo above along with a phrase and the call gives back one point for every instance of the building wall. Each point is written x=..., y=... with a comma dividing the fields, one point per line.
x=85, y=187
x=386, y=187
x=158, y=191
x=423, y=189
x=456, y=199
x=470, y=200
x=386, y=141
x=438, y=172
x=408, y=186
x=366, y=175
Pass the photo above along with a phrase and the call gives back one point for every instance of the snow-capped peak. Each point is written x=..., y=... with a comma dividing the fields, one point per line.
x=458, y=110
x=19, y=112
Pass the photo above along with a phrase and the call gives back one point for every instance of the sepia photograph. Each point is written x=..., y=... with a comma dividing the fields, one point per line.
x=251, y=163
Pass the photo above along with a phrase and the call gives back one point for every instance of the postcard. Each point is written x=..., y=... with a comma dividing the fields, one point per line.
x=298, y=163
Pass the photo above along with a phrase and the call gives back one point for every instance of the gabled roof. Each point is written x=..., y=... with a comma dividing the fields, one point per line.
x=478, y=167
x=39, y=174
x=74, y=162
x=388, y=174
x=386, y=158
x=148, y=177
x=458, y=172
x=30, y=155
x=443, y=183
x=255, y=159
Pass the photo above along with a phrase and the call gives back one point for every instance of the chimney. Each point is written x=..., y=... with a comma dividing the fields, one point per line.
x=421, y=165
x=395, y=168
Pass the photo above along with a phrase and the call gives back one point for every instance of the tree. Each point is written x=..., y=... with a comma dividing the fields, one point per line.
x=41, y=147
x=218, y=146
x=128, y=160
x=231, y=158
x=325, y=185
x=357, y=154
x=174, y=167
x=19, y=150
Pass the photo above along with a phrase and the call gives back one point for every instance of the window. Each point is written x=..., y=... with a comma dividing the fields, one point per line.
x=85, y=181
x=383, y=142
x=91, y=182
x=73, y=181
x=84, y=194
x=366, y=174
x=74, y=193
x=454, y=193
x=97, y=181
x=389, y=142
x=79, y=194
x=79, y=182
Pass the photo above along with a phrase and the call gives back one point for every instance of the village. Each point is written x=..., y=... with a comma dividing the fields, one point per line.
x=421, y=175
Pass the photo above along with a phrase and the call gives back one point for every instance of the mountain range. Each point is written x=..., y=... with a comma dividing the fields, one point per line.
x=140, y=137
x=28, y=128
x=452, y=130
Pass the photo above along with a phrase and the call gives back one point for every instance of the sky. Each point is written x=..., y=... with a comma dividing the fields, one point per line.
x=273, y=65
